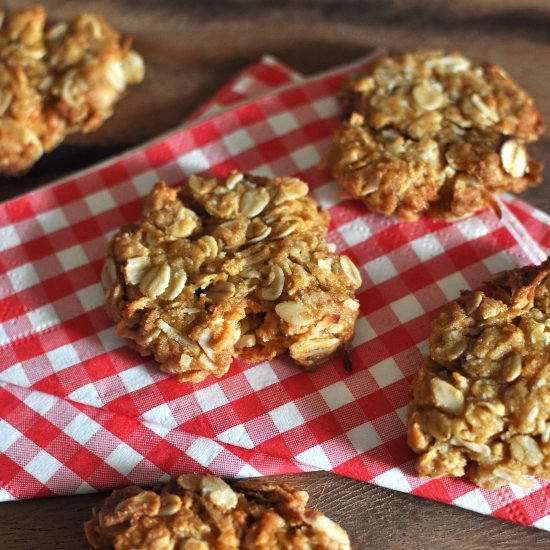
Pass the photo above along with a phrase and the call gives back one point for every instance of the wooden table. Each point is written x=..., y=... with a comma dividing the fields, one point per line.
x=193, y=47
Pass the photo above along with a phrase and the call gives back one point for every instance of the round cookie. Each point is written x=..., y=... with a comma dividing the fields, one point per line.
x=434, y=133
x=480, y=406
x=236, y=267
x=203, y=512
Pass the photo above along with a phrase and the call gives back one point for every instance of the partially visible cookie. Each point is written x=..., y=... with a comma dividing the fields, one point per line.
x=434, y=133
x=480, y=406
x=236, y=267
x=57, y=79
x=196, y=512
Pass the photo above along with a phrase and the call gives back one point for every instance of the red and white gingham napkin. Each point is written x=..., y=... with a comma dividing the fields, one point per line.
x=264, y=76
x=81, y=412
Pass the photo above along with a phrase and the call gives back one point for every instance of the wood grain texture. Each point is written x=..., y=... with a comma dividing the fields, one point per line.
x=191, y=48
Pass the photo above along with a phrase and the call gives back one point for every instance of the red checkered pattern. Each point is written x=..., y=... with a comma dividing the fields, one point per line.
x=269, y=73
x=80, y=412
x=534, y=222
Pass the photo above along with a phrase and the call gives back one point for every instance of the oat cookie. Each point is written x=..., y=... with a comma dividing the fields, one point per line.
x=236, y=267
x=480, y=406
x=57, y=79
x=196, y=512
x=434, y=133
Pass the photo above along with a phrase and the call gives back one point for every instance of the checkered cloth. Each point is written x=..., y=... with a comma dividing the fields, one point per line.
x=269, y=73
x=81, y=412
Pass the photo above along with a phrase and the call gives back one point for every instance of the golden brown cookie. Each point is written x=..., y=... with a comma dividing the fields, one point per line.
x=480, y=406
x=57, y=79
x=434, y=133
x=236, y=267
x=196, y=512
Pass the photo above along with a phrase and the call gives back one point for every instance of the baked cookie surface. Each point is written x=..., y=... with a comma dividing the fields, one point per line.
x=434, y=133
x=57, y=79
x=480, y=406
x=228, y=268
x=196, y=512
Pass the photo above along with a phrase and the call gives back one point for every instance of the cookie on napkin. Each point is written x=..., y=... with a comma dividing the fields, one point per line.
x=434, y=133
x=226, y=268
x=480, y=406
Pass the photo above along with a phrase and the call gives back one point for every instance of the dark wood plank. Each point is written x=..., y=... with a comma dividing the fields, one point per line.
x=191, y=48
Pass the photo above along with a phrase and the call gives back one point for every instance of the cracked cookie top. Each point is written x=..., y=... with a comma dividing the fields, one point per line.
x=196, y=512
x=480, y=406
x=57, y=79
x=434, y=133
x=225, y=268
